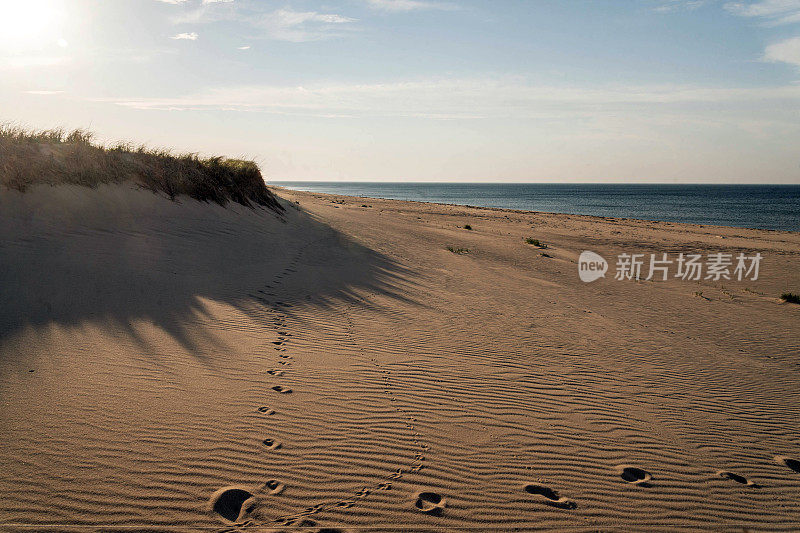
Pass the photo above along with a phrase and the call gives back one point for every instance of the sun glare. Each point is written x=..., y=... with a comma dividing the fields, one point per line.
x=27, y=23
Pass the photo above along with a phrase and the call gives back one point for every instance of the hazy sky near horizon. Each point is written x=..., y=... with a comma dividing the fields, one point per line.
x=423, y=90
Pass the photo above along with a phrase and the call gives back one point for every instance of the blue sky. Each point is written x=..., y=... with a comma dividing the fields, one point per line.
x=423, y=90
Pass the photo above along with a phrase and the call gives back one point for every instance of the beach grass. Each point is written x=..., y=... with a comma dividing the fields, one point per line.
x=457, y=250
x=790, y=297
x=535, y=242
x=31, y=157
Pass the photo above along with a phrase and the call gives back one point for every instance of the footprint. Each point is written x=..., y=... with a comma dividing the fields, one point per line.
x=550, y=496
x=792, y=464
x=347, y=504
x=271, y=444
x=232, y=504
x=725, y=474
x=634, y=475
x=274, y=372
x=277, y=343
x=273, y=486
x=265, y=410
x=300, y=522
x=282, y=390
x=314, y=509
x=430, y=503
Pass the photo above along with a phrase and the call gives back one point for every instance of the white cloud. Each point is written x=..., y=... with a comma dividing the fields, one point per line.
x=287, y=17
x=448, y=99
x=787, y=51
x=33, y=61
x=671, y=6
x=773, y=11
x=281, y=24
x=301, y=26
x=217, y=1
x=243, y=48
x=185, y=36
x=408, y=5
x=173, y=1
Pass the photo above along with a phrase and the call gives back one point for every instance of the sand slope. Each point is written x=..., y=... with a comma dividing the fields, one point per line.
x=142, y=342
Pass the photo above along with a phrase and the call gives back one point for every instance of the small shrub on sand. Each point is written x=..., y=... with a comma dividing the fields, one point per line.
x=467, y=226
x=458, y=250
x=790, y=297
x=535, y=242
x=58, y=157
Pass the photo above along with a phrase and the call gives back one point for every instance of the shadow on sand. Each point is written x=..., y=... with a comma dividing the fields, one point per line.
x=115, y=255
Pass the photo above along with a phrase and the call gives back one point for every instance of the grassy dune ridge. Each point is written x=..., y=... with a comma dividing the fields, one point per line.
x=56, y=156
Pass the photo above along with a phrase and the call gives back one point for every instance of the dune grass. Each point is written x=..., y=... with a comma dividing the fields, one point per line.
x=535, y=242
x=790, y=297
x=56, y=156
x=457, y=250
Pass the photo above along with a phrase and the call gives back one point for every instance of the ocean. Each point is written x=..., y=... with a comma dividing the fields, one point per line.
x=775, y=207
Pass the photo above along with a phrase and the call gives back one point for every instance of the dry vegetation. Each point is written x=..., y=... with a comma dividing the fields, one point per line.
x=55, y=157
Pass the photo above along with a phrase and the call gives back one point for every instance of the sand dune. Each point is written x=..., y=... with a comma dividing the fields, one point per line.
x=180, y=364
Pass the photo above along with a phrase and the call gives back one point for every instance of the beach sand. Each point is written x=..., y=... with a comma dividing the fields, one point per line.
x=337, y=366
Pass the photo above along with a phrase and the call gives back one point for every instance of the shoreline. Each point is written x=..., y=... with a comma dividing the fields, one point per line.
x=601, y=217
x=590, y=218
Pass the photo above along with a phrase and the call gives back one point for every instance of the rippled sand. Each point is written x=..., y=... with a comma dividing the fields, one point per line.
x=183, y=365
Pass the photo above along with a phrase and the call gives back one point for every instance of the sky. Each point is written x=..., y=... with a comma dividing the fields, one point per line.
x=653, y=91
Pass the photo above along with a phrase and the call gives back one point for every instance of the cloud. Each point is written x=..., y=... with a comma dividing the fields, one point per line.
x=33, y=61
x=185, y=36
x=787, y=51
x=300, y=26
x=287, y=17
x=174, y=2
x=671, y=6
x=281, y=24
x=775, y=12
x=44, y=93
x=409, y=5
x=243, y=48
x=464, y=99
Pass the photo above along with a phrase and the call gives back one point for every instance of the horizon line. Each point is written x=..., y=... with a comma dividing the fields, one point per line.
x=530, y=182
